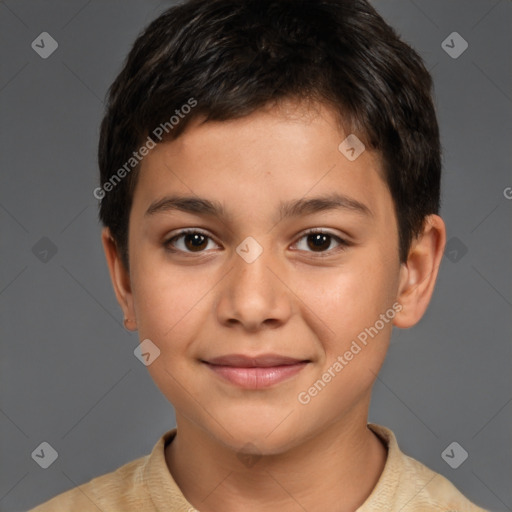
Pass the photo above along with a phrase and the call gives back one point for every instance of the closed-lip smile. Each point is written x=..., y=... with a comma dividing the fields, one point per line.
x=255, y=372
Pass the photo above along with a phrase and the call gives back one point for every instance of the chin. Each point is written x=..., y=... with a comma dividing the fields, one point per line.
x=257, y=437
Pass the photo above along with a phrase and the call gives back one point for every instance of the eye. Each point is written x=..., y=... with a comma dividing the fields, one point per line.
x=319, y=241
x=193, y=241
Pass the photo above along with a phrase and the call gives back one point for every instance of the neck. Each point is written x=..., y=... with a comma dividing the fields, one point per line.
x=334, y=470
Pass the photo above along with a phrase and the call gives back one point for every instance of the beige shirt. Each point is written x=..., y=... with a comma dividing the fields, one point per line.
x=146, y=485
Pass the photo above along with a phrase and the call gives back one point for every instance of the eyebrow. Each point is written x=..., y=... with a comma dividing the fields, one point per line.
x=294, y=208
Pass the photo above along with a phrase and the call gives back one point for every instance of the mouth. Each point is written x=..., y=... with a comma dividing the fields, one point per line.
x=256, y=372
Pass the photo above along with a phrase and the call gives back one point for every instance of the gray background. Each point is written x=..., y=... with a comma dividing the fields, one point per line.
x=68, y=375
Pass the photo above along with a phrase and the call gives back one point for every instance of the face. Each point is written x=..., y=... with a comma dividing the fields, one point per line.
x=250, y=279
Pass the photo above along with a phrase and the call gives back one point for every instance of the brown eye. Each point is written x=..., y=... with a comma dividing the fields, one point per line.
x=320, y=242
x=188, y=241
x=195, y=242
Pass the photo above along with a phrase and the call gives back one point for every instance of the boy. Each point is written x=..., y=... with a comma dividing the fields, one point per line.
x=270, y=174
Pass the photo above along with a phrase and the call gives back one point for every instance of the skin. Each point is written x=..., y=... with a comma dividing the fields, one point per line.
x=292, y=300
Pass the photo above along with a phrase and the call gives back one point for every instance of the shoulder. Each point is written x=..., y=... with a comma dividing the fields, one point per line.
x=120, y=490
x=432, y=491
x=410, y=486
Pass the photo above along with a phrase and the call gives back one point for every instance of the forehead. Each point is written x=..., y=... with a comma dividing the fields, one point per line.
x=272, y=156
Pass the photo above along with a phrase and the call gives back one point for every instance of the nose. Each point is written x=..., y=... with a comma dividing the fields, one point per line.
x=253, y=295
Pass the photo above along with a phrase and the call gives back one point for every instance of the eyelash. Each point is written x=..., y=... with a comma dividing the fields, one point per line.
x=343, y=244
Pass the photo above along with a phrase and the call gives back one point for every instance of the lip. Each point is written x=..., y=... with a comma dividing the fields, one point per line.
x=263, y=360
x=255, y=372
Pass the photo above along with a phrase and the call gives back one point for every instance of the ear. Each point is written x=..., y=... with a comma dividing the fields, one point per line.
x=419, y=273
x=120, y=279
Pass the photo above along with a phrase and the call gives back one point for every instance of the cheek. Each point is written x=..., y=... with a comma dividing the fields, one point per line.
x=350, y=302
x=165, y=299
x=351, y=299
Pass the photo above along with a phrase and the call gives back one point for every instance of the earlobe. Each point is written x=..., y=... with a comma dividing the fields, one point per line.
x=419, y=273
x=120, y=279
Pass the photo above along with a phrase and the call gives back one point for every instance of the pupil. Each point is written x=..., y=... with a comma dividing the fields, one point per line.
x=194, y=238
x=322, y=239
